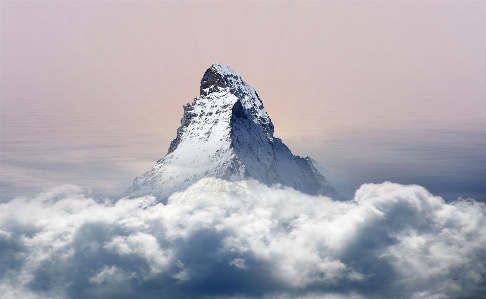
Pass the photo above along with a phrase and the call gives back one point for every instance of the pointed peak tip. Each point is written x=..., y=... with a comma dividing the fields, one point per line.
x=217, y=76
x=222, y=69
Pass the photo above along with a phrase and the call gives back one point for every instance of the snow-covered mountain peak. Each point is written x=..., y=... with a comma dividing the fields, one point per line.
x=226, y=133
x=220, y=78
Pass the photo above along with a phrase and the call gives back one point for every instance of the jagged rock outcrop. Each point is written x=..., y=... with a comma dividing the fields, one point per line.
x=226, y=133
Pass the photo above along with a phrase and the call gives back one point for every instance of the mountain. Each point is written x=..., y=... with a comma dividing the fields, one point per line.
x=226, y=133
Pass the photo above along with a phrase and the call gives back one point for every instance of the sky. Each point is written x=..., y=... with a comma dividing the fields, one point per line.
x=92, y=91
x=388, y=95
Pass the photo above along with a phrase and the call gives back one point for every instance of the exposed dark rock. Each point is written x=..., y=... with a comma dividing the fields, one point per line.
x=185, y=121
x=238, y=111
x=210, y=82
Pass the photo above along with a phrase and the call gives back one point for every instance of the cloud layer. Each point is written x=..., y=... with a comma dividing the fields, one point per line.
x=243, y=240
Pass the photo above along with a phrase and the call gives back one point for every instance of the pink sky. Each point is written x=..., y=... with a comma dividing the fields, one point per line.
x=369, y=89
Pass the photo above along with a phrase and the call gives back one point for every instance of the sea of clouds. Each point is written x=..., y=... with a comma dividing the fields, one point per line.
x=223, y=239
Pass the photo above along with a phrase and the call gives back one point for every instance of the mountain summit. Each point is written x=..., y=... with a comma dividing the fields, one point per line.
x=226, y=133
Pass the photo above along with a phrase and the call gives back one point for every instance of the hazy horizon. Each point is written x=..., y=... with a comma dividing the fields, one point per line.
x=92, y=92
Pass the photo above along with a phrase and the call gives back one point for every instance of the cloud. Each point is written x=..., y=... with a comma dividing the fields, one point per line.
x=223, y=239
x=239, y=263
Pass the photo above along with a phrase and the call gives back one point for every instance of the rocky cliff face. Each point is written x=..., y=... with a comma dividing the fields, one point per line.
x=226, y=133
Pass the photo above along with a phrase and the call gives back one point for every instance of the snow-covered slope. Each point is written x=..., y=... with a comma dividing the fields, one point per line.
x=226, y=133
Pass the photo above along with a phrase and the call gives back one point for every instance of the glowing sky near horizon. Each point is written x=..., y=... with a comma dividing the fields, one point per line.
x=92, y=92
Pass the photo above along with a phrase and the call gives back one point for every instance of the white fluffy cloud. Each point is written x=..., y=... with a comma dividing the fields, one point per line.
x=243, y=240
